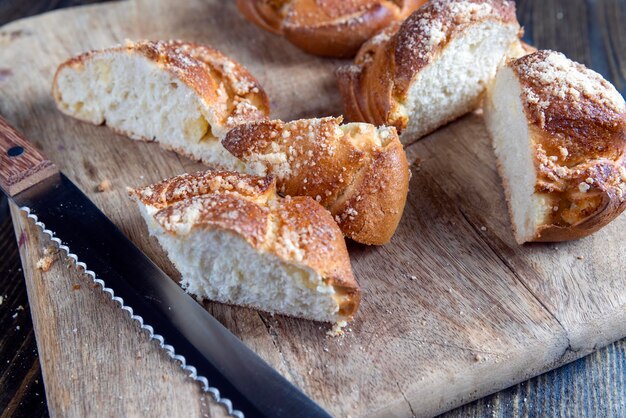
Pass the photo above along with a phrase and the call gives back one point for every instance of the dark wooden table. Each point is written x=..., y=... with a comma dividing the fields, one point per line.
x=590, y=31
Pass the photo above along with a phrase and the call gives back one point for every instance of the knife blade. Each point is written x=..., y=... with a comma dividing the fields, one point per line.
x=204, y=348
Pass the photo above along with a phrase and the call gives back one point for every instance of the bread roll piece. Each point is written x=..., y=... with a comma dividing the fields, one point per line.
x=357, y=171
x=235, y=241
x=333, y=28
x=431, y=69
x=184, y=96
x=559, y=134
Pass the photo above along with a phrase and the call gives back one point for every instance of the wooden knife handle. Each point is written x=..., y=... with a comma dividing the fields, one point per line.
x=21, y=164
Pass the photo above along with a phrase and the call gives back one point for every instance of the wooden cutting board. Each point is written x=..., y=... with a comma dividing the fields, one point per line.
x=453, y=308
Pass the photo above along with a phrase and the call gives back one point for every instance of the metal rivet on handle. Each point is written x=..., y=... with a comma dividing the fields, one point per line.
x=15, y=151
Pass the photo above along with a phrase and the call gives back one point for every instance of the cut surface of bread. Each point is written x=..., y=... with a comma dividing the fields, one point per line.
x=357, y=171
x=182, y=95
x=505, y=117
x=453, y=84
x=235, y=241
x=335, y=28
x=559, y=135
x=431, y=69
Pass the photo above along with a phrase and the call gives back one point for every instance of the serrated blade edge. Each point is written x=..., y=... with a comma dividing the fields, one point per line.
x=169, y=349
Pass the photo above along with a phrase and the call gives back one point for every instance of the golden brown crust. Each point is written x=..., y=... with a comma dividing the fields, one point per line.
x=186, y=186
x=309, y=157
x=366, y=87
x=417, y=43
x=373, y=87
x=335, y=28
x=325, y=247
x=371, y=208
x=222, y=83
x=225, y=211
x=358, y=172
x=267, y=14
x=298, y=230
x=577, y=124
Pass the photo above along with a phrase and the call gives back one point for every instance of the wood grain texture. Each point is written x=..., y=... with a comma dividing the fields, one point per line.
x=482, y=313
x=21, y=164
x=90, y=349
x=591, y=387
x=21, y=385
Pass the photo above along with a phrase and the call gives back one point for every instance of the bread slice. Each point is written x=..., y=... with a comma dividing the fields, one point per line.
x=333, y=28
x=431, y=69
x=357, y=171
x=184, y=96
x=235, y=241
x=559, y=135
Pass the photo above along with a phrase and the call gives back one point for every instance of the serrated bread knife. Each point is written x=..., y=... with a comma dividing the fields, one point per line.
x=235, y=376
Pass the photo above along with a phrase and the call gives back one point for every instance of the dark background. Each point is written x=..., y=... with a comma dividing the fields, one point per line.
x=589, y=31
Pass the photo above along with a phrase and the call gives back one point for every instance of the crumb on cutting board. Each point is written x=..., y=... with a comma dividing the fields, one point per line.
x=45, y=262
x=104, y=186
x=337, y=330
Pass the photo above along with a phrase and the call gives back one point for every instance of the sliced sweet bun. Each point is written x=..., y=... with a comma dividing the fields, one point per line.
x=559, y=135
x=431, y=69
x=184, y=96
x=235, y=241
x=357, y=171
x=334, y=28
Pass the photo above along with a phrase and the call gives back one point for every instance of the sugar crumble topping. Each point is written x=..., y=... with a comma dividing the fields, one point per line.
x=248, y=205
x=290, y=151
x=425, y=31
x=237, y=91
x=553, y=86
x=583, y=187
x=187, y=186
x=550, y=77
x=468, y=11
x=380, y=38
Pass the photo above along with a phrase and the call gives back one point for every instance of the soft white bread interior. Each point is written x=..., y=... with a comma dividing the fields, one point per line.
x=357, y=171
x=506, y=120
x=182, y=95
x=234, y=240
x=559, y=135
x=453, y=83
x=431, y=69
